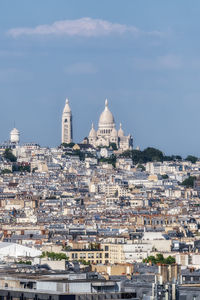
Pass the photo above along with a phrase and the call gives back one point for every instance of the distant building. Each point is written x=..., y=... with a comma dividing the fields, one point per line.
x=15, y=250
x=14, y=136
x=67, y=130
x=107, y=133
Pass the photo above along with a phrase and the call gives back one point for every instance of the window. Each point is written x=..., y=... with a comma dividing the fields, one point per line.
x=90, y=255
x=65, y=120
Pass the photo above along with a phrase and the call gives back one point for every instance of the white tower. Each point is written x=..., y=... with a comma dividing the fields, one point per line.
x=67, y=133
x=14, y=136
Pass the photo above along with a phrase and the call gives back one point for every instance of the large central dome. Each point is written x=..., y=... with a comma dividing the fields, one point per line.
x=106, y=119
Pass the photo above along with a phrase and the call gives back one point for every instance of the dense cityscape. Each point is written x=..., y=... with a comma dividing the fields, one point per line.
x=99, y=150
x=98, y=219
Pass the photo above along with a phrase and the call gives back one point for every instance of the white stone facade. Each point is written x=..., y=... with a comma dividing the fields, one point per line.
x=67, y=130
x=14, y=136
x=107, y=133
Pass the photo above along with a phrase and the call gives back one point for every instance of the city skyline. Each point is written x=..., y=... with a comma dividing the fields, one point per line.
x=99, y=152
x=15, y=128
x=143, y=58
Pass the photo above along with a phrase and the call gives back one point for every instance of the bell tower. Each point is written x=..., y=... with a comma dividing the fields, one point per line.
x=67, y=132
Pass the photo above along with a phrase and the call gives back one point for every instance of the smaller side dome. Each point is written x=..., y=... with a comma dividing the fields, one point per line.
x=92, y=133
x=120, y=131
x=114, y=132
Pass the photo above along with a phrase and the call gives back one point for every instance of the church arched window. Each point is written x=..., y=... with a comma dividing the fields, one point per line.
x=65, y=120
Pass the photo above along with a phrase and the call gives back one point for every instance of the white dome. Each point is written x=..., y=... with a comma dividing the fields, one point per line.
x=14, y=135
x=67, y=108
x=114, y=132
x=92, y=133
x=106, y=118
x=14, y=131
x=120, y=131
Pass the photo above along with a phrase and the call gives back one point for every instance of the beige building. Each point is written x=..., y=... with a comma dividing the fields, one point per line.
x=127, y=253
x=90, y=256
x=112, y=253
x=113, y=270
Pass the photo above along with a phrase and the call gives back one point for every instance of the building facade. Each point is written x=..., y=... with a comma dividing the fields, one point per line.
x=107, y=133
x=14, y=136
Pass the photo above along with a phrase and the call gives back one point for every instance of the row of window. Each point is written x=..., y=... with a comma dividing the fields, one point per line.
x=90, y=255
x=108, y=131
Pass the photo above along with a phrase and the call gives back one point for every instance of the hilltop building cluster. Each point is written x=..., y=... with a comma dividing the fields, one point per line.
x=106, y=134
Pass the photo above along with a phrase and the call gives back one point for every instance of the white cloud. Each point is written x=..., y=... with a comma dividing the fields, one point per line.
x=81, y=68
x=86, y=27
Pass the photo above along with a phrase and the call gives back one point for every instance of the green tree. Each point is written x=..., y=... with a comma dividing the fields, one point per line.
x=54, y=256
x=149, y=154
x=6, y=171
x=172, y=158
x=8, y=155
x=170, y=260
x=149, y=259
x=159, y=259
x=68, y=145
x=25, y=262
x=152, y=154
x=79, y=153
x=165, y=176
x=127, y=154
x=189, y=182
x=21, y=168
x=85, y=263
x=141, y=167
x=192, y=159
x=113, y=146
x=110, y=160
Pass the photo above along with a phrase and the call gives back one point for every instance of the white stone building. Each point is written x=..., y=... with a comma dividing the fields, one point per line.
x=16, y=250
x=107, y=132
x=14, y=136
x=67, y=130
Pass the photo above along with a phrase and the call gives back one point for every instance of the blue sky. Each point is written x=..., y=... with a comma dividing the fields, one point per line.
x=141, y=55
